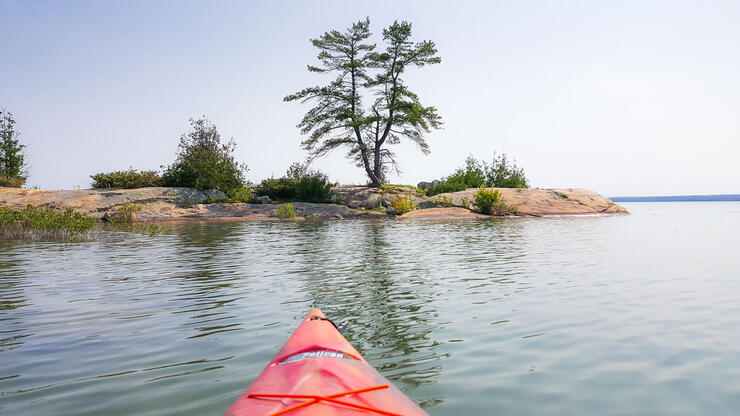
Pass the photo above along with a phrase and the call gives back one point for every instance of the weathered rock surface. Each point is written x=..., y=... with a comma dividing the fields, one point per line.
x=442, y=213
x=353, y=202
x=370, y=198
x=96, y=202
x=250, y=212
x=538, y=202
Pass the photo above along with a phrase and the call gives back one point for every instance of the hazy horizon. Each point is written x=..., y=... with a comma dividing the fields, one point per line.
x=628, y=99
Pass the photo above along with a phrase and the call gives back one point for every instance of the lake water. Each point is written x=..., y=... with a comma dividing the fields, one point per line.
x=615, y=315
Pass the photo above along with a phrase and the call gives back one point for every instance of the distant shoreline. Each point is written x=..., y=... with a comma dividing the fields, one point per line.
x=678, y=198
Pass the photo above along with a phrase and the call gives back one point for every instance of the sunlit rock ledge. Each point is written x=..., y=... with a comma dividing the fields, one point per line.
x=163, y=203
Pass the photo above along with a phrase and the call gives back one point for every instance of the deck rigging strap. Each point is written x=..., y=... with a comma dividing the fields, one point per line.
x=330, y=398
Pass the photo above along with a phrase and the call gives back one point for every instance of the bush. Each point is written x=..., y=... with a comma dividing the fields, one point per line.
x=501, y=173
x=128, y=179
x=504, y=174
x=313, y=186
x=286, y=211
x=489, y=202
x=204, y=162
x=281, y=189
x=484, y=200
x=298, y=184
x=443, y=187
x=41, y=223
x=403, y=204
x=240, y=194
x=11, y=182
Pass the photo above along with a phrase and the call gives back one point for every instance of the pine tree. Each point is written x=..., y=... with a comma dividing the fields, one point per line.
x=339, y=118
x=12, y=160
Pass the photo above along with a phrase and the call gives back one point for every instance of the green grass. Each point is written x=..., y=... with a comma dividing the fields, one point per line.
x=45, y=223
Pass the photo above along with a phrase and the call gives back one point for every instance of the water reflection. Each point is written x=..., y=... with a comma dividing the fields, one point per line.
x=546, y=316
x=12, y=298
x=381, y=292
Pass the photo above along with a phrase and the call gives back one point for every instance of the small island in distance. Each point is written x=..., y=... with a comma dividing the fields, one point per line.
x=677, y=198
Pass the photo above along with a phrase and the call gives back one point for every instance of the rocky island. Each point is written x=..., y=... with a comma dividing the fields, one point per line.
x=170, y=203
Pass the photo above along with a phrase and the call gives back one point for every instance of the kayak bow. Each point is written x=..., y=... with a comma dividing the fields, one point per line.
x=318, y=372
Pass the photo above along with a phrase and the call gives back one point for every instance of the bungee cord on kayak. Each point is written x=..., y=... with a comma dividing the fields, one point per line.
x=331, y=398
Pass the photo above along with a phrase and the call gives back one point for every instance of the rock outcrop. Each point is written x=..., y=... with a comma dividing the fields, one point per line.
x=96, y=202
x=352, y=202
x=538, y=202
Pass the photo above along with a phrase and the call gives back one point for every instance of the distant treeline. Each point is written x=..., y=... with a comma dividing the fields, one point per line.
x=677, y=198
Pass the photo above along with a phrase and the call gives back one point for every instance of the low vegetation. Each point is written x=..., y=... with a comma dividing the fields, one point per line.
x=500, y=173
x=127, y=179
x=489, y=202
x=299, y=184
x=32, y=223
x=403, y=204
x=286, y=212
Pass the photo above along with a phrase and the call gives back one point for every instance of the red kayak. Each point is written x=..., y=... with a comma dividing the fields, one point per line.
x=318, y=372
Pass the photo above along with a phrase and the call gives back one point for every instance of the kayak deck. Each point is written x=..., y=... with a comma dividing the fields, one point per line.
x=318, y=372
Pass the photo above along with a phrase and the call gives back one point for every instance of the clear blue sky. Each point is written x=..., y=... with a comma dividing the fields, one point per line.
x=627, y=98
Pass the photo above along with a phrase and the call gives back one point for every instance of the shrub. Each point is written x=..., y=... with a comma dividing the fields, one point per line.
x=484, y=200
x=127, y=179
x=313, y=186
x=41, y=223
x=504, y=174
x=298, y=184
x=403, y=204
x=472, y=175
x=489, y=202
x=240, y=194
x=286, y=211
x=280, y=189
x=444, y=187
x=204, y=162
x=501, y=173
x=11, y=182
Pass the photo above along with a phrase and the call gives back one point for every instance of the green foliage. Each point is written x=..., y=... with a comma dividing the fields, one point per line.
x=11, y=182
x=298, y=184
x=280, y=189
x=501, y=173
x=127, y=179
x=204, y=162
x=313, y=186
x=445, y=186
x=43, y=223
x=340, y=118
x=484, y=200
x=403, y=204
x=240, y=194
x=286, y=212
x=489, y=202
x=13, y=172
